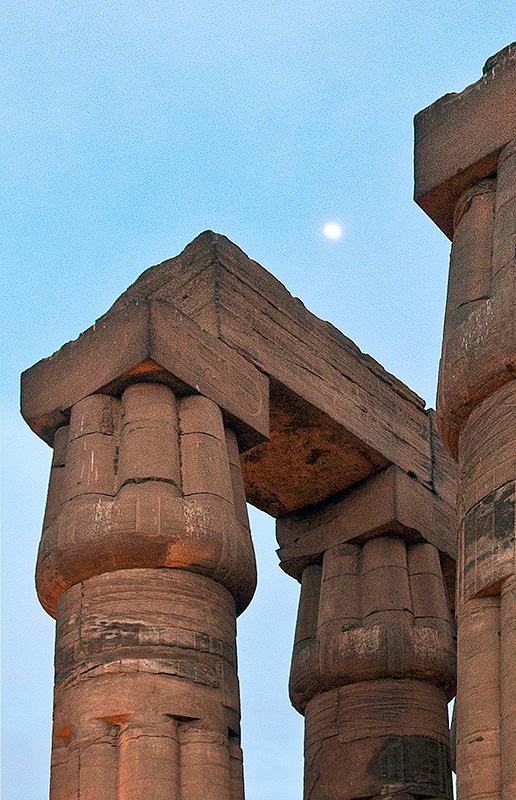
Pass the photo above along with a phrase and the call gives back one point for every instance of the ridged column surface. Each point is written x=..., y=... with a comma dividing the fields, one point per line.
x=145, y=561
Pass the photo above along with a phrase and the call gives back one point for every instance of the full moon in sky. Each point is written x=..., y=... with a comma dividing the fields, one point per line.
x=332, y=230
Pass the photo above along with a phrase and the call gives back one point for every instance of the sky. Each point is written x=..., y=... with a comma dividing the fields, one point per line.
x=129, y=128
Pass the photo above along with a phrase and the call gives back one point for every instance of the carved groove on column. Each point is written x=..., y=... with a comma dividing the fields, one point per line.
x=478, y=700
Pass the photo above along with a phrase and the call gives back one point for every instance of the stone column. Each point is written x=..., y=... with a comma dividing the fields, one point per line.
x=374, y=656
x=465, y=176
x=477, y=409
x=145, y=560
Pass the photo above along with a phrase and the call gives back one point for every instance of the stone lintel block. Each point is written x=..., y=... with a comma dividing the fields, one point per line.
x=336, y=416
x=147, y=340
x=388, y=502
x=458, y=139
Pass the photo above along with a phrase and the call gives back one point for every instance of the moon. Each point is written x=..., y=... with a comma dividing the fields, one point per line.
x=332, y=230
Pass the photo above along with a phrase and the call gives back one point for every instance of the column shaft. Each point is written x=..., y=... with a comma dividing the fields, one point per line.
x=477, y=409
x=507, y=688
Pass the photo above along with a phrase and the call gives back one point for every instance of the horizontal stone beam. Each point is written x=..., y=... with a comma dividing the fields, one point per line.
x=314, y=415
x=146, y=340
x=458, y=139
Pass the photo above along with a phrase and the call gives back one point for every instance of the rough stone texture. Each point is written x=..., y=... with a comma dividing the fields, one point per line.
x=159, y=424
x=466, y=181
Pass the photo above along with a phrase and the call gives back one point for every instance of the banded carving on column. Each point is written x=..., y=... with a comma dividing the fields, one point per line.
x=374, y=654
x=476, y=402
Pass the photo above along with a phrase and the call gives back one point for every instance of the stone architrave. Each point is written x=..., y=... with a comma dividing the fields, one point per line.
x=204, y=385
x=465, y=156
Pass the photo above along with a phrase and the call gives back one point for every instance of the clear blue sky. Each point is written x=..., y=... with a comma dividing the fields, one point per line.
x=128, y=129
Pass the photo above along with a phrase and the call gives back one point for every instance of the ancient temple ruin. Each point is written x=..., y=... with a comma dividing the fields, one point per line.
x=207, y=384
